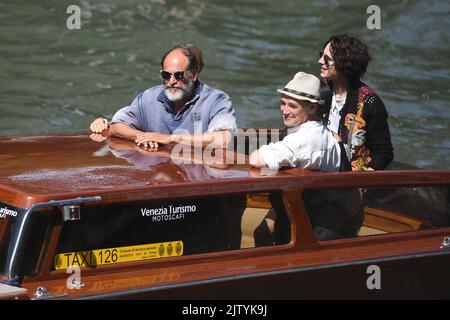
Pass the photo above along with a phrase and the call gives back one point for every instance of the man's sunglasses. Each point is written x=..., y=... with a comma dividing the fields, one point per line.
x=166, y=75
x=328, y=60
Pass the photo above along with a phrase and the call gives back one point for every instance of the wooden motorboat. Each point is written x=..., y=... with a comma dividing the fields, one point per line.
x=83, y=219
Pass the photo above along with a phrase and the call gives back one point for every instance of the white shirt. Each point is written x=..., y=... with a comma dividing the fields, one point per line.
x=310, y=145
x=335, y=117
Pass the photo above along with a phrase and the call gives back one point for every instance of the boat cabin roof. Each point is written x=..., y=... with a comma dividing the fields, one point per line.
x=43, y=168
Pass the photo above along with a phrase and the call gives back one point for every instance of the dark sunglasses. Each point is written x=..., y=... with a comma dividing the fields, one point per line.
x=328, y=60
x=166, y=75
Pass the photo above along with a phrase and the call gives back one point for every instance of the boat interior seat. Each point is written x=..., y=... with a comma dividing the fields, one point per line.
x=381, y=221
x=239, y=224
x=254, y=231
x=251, y=220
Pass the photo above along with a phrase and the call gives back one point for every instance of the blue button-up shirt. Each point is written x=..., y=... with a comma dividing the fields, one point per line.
x=151, y=111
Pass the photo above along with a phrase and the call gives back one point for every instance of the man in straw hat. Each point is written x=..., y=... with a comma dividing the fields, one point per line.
x=308, y=144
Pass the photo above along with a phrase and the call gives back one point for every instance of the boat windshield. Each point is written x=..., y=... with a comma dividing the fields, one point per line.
x=27, y=257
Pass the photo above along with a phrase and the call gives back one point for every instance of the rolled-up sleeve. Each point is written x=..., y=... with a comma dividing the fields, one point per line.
x=276, y=155
x=130, y=115
x=293, y=151
x=222, y=115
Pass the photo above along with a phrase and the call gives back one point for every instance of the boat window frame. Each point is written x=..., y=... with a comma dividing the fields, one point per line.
x=387, y=237
x=240, y=253
x=15, y=269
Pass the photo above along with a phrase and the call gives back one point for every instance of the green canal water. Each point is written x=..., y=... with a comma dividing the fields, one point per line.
x=55, y=80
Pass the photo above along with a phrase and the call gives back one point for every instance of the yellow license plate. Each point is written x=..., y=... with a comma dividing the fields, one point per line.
x=118, y=255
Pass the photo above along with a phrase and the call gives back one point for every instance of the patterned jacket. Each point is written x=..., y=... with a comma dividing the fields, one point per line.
x=364, y=129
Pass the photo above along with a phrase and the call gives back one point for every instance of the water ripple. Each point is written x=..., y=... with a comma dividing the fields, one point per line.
x=53, y=79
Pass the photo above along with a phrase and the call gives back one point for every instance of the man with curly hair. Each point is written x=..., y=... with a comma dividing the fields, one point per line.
x=356, y=113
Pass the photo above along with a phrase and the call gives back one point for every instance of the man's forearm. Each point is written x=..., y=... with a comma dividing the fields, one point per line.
x=219, y=139
x=123, y=130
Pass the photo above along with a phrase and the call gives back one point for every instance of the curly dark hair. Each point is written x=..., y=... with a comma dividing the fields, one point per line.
x=351, y=56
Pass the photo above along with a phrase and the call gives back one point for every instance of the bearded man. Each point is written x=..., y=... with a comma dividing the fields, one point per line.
x=181, y=109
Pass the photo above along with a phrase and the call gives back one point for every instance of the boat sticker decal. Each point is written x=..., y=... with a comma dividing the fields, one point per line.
x=5, y=212
x=118, y=255
x=168, y=213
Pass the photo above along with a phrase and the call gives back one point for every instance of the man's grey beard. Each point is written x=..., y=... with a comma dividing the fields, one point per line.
x=186, y=91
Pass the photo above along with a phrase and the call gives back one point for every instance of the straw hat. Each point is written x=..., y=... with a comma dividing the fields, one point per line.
x=303, y=86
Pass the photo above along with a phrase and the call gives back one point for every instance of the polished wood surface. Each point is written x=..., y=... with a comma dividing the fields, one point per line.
x=386, y=221
x=43, y=168
x=46, y=168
